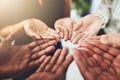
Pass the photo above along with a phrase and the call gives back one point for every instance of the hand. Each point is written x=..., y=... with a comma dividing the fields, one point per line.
x=17, y=59
x=87, y=26
x=98, y=61
x=33, y=28
x=64, y=27
x=54, y=68
x=111, y=39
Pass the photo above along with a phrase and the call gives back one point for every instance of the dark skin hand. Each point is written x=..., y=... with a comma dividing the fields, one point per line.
x=17, y=59
x=53, y=68
x=97, y=61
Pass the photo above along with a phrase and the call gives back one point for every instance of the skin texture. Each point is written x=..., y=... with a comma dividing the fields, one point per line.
x=64, y=27
x=17, y=59
x=86, y=27
x=97, y=61
x=33, y=28
x=53, y=68
x=109, y=39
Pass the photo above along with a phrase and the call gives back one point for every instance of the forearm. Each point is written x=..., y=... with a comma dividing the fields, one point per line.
x=14, y=31
x=103, y=12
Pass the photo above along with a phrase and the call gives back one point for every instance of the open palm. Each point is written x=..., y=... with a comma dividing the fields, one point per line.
x=53, y=68
x=98, y=61
x=87, y=27
x=17, y=59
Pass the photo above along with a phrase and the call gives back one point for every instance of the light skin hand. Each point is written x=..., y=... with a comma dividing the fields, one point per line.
x=111, y=39
x=34, y=28
x=98, y=61
x=17, y=59
x=64, y=27
x=87, y=27
x=53, y=68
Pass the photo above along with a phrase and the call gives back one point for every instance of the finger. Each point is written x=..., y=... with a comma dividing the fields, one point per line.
x=40, y=60
x=37, y=43
x=88, y=56
x=83, y=64
x=53, y=36
x=73, y=36
x=98, y=58
x=111, y=50
x=48, y=36
x=108, y=57
x=80, y=60
x=87, y=51
x=53, y=60
x=65, y=64
x=114, y=51
x=44, y=45
x=43, y=52
x=100, y=45
x=85, y=36
x=66, y=34
x=62, y=33
x=80, y=43
x=77, y=38
x=58, y=29
x=37, y=62
x=61, y=58
x=70, y=29
x=44, y=64
x=52, y=32
x=93, y=48
x=78, y=26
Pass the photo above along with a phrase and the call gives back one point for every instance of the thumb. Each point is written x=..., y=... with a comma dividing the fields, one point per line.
x=29, y=32
x=66, y=63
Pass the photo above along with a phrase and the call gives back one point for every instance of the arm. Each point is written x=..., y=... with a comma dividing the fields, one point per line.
x=103, y=11
x=34, y=28
x=90, y=25
x=17, y=59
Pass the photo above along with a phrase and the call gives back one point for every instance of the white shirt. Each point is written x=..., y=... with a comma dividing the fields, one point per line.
x=109, y=11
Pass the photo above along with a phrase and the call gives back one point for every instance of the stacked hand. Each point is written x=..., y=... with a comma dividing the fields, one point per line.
x=98, y=61
x=17, y=59
x=53, y=68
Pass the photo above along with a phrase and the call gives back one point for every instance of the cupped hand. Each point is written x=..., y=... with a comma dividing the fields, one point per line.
x=64, y=27
x=34, y=28
x=17, y=59
x=53, y=68
x=87, y=26
x=97, y=61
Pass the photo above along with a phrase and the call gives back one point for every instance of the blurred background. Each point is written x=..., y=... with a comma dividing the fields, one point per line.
x=80, y=8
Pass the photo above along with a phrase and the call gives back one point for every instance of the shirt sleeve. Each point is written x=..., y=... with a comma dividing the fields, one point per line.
x=103, y=11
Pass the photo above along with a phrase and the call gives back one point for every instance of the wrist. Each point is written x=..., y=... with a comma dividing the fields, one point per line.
x=100, y=20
